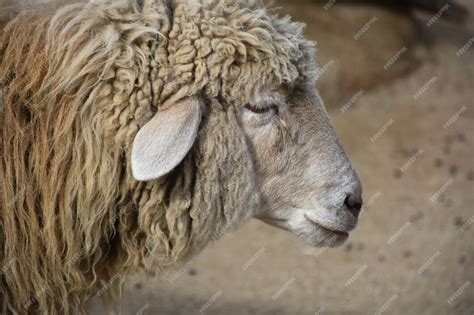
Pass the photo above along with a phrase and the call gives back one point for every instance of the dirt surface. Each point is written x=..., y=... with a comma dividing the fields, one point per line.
x=350, y=58
x=411, y=140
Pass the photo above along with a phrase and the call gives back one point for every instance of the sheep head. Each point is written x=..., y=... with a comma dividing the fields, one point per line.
x=253, y=73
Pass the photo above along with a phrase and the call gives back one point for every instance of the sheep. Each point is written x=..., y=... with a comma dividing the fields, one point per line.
x=135, y=132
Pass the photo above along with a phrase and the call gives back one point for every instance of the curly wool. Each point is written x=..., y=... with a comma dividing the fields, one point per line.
x=76, y=85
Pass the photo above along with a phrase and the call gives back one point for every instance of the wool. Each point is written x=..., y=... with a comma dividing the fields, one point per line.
x=77, y=82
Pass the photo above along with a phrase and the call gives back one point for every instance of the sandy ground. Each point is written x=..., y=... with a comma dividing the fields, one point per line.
x=413, y=252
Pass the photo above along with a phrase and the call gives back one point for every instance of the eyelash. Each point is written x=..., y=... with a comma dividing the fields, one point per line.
x=262, y=110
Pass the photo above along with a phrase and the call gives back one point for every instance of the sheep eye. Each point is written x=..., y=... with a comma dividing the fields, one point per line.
x=261, y=110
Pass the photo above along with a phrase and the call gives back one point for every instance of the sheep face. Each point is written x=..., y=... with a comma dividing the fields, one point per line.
x=306, y=181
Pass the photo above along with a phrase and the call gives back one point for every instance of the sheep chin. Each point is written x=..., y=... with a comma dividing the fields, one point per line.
x=315, y=234
x=311, y=232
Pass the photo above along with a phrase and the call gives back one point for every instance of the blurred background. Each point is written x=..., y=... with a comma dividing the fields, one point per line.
x=398, y=79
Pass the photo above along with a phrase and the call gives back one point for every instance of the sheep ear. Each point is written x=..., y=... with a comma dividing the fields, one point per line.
x=166, y=139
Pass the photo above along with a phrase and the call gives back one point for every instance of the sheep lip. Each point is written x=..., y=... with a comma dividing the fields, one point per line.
x=280, y=223
x=328, y=230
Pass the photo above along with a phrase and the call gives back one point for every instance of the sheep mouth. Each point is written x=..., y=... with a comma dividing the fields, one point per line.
x=343, y=234
x=317, y=236
x=280, y=223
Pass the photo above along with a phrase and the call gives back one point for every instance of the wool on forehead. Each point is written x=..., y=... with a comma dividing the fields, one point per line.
x=232, y=49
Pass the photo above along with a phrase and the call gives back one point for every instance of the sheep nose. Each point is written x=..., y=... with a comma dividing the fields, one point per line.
x=353, y=203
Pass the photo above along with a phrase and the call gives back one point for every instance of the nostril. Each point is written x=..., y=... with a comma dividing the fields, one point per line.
x=354, y=203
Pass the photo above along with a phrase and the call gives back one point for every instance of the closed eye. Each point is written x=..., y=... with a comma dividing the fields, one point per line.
x=263, y=109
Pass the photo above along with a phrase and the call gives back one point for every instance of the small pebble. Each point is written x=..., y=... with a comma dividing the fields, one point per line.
x=470, y=175
x=348, y=247
x=138, y=286
x=192, y=272
x=381, y=258
x=449, y=139
x=438, y=162
x=461, y=137
x=458, y=221
x=462, y=259
x=453, y=170
x=397, y=173
x=407, y=253
x=416, y=217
